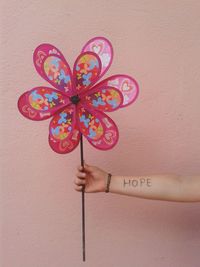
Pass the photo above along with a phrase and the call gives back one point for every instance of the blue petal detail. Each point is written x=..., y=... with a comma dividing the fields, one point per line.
x=51, y=96
x=91, y=133
x=98, y=102
x=55, y=131
x=63, y=118
x=35, y=95
x=85, y=121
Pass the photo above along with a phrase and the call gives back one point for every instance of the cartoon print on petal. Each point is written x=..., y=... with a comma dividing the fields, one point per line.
x=104, y=98
x=58, y=73
x=125, y=84
x=43, y=98
x=62, y=124
x=90, y=126
x=86, y=71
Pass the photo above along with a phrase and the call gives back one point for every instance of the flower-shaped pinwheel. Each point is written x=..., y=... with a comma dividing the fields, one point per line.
x=77, y=106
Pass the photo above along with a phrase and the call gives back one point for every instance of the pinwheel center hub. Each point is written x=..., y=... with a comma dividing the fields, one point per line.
x=75, y=99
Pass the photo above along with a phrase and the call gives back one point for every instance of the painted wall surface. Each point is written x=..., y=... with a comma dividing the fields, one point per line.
x=157, y=42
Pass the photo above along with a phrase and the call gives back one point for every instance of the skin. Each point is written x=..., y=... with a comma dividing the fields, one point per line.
x=168, y=187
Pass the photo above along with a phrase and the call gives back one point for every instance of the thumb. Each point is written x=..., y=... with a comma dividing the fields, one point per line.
x=88, y=167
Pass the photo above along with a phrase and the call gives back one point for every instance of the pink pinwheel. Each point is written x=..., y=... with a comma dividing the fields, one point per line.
x=77, y=105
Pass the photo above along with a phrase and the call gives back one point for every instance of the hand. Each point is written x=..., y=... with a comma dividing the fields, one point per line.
x=92, y=177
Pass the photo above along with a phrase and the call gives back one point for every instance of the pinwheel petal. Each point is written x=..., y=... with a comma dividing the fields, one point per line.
x=111, y=135
x=104, y=98
x=103, y=48
x=62, y=123
x=125, y=84
x=41, y=103
x=89, y=124
x=63, y=133
x=66, y=145
x=52, y=66
x=87, y=68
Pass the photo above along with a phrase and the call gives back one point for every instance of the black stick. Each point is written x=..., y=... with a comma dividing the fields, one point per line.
x=83, y=201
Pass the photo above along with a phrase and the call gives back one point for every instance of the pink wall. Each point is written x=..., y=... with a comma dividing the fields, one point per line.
x=158, y=43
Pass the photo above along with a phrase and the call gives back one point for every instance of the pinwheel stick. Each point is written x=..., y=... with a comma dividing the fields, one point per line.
x=83, y=201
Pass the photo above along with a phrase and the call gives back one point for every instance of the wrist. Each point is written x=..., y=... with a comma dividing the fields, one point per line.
x=108, y=181
x=104, y=181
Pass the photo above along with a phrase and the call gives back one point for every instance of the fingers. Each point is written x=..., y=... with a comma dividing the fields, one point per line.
x=78, y=188
x=80, y=168
x=80, y=180
x=81, y=175
x=87, y=168
x=79, y=183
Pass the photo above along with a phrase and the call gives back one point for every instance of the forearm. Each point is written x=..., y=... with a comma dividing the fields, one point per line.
x=158, y=187
x=168, y=187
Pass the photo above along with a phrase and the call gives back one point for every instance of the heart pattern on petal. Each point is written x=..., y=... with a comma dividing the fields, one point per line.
x=126, y=87
x=109, y=136
x=97, y=48
x=31, y=113
x=65, y=144
x=40, y=57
